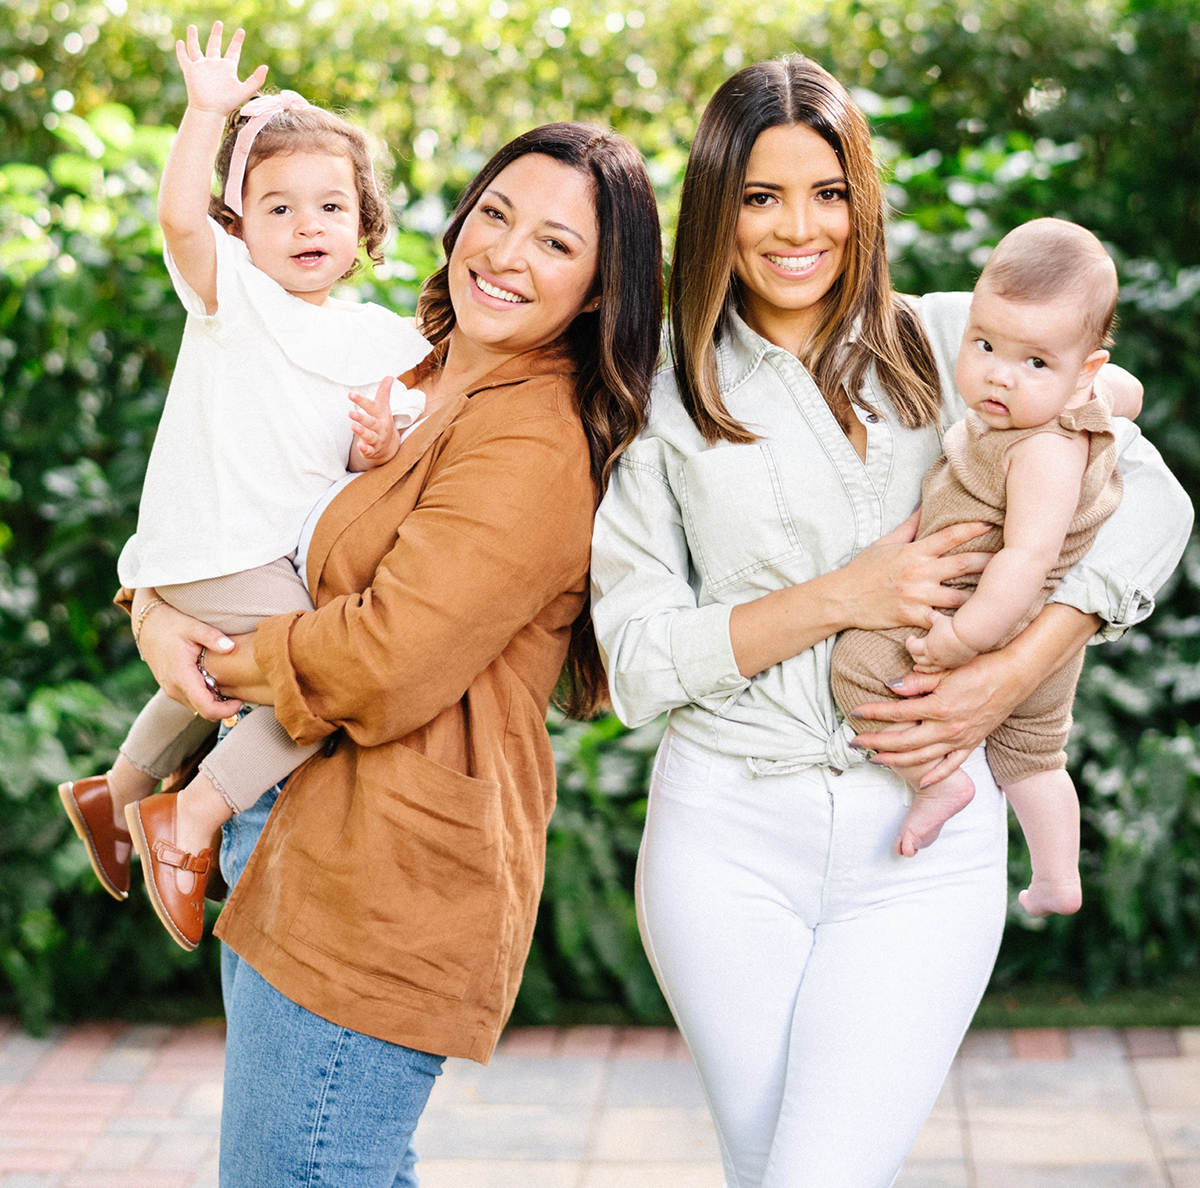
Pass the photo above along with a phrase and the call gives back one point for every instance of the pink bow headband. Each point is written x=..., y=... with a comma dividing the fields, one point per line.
x=259, y=111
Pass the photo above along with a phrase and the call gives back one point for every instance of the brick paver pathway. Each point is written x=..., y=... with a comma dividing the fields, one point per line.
x=109, y=1105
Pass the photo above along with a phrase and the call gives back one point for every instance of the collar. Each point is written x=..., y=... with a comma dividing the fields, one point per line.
x=739, y=352
x=554, y=359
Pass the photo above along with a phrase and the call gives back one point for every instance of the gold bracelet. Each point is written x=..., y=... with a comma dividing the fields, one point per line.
x=141, y=619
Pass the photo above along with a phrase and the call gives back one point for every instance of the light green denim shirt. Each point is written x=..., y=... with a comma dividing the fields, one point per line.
x=687, y=531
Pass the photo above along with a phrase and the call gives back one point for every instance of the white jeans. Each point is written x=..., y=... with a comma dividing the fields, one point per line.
x=822, y=983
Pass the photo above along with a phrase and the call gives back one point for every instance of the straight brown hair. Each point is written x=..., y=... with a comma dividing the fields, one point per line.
x=615, y=349
x=863, y=324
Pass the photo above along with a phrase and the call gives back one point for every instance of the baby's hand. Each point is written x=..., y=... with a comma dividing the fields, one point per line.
x=212, y=80
x=376, y=438
x=940, y=648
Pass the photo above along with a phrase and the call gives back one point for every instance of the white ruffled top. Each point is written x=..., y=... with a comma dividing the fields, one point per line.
x=256, y=424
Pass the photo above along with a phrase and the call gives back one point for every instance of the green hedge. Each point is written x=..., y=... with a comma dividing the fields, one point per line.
x=986, y=112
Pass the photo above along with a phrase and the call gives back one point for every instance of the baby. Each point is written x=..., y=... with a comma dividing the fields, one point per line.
x=255, y=431
x=1035, y=457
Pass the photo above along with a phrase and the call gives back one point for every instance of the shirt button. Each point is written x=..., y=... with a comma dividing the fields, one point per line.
x=872, y=418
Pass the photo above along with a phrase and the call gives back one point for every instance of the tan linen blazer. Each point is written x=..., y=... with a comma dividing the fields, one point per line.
x=395, y=885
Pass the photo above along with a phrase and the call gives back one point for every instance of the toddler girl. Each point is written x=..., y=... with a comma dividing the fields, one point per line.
x=255, y=430
x=1035, y=459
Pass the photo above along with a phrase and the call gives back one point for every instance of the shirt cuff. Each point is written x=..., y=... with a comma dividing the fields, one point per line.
x=272, y=650
x=1117, y=601
x=702, y=653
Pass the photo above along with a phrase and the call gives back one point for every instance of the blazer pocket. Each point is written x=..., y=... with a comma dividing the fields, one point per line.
x=410, y=890
x=734, y=513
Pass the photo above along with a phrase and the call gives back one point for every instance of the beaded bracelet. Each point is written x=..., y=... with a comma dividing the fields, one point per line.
x=210, y=681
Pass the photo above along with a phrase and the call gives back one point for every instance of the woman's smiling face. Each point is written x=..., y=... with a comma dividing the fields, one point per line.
x=524, y=265
x=792, y=230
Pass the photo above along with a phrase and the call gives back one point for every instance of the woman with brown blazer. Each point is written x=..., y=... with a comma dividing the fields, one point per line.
x=381, y=920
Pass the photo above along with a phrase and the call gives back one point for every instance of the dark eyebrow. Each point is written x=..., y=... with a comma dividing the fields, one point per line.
x=821, y=185
x=501, y=195
x=547, y=222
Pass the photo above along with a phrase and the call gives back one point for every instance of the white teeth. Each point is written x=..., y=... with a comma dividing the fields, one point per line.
x=493, y=291
x=793, y=263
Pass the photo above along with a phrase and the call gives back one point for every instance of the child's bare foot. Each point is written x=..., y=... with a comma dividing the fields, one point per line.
x=1045, y=897
x=931, y=808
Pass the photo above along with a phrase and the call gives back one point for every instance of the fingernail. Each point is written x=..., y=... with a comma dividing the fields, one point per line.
x=225, y=644
x=856, y=713
x=855, y=745
x=894, y=683
x=877, y=761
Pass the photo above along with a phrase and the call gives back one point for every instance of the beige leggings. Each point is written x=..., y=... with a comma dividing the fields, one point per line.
x=259, y=752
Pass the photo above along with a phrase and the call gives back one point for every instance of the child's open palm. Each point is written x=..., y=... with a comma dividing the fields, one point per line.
x=376, y=438
x=212, y=78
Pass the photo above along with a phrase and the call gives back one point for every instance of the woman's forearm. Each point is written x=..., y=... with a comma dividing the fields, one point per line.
x=1047, y=644
x=891, y=583
x=785, y=622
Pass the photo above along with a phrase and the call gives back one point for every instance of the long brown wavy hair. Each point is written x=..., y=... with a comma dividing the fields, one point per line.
x=863, y=325
x=614, y=349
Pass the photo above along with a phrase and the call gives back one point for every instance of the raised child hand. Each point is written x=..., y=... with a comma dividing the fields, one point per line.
x=212, y=79
x=376, y=438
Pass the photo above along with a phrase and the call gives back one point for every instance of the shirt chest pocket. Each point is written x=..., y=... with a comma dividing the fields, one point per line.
x=734, y=513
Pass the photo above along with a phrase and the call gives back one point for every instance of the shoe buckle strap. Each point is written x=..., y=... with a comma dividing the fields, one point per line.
x=171, y=855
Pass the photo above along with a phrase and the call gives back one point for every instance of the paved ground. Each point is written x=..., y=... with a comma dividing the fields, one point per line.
x=117, y=1106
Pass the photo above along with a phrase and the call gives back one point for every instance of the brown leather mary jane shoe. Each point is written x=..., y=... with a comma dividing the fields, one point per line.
x=152, y=826
x=89, y=806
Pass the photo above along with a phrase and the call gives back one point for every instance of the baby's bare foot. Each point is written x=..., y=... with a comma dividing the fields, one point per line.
x=931, y=808
x=1062, y=897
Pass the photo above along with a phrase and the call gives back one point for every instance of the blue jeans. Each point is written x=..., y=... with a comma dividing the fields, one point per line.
x=307, y=1102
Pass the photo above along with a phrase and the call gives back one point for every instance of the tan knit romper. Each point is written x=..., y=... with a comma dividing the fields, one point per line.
x=967, y=483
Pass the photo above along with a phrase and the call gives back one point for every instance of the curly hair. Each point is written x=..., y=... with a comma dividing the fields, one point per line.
x=310, y=130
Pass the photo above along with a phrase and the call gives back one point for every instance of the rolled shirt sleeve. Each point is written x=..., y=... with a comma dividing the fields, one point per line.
x=1137, y=548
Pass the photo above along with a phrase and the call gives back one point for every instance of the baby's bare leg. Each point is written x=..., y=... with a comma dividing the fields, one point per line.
x=1048, y=810
x=931, y=807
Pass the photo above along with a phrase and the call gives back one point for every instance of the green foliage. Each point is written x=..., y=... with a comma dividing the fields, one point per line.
x=986, y=112
x=65, y=947
x=586, y=948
